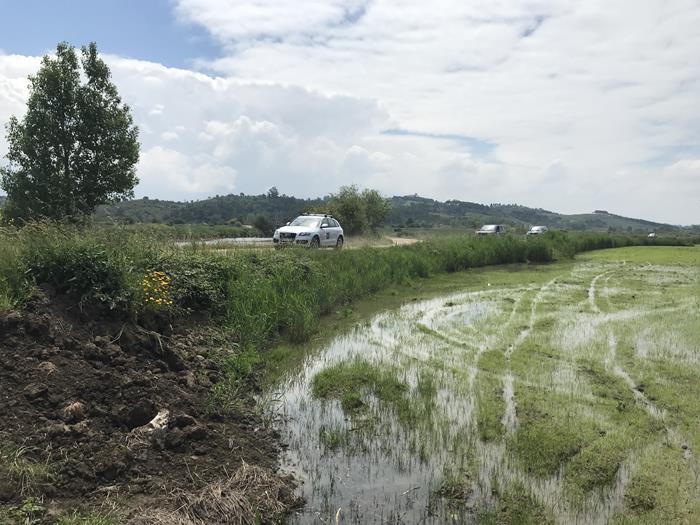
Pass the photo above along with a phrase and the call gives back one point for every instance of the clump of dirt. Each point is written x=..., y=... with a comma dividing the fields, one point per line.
x=106, y=407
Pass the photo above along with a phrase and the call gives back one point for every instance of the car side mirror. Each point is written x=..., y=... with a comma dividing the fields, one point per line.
x=324, y=226
x=289, y=223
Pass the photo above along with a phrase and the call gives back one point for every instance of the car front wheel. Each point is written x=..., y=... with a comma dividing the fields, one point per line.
x=339, y=244
x=315, y=243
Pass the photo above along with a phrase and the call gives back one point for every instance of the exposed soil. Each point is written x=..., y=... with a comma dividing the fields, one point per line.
x=78, y=393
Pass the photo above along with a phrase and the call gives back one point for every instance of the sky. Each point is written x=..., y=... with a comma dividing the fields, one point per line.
x=560, y=104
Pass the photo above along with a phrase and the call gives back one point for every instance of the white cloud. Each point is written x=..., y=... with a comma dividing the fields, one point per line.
x=585, y=103
x=169, y=174
x=599, y=87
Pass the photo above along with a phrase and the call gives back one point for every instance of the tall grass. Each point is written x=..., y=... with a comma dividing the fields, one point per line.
x=256, y=296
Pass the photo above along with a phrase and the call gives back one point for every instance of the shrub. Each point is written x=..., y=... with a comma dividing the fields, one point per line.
x=80, y=268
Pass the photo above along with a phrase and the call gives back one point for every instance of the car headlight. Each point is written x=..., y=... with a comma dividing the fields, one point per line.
x=303, y=234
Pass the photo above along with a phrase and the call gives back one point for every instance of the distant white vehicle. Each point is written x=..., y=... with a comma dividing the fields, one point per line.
x=311, y=231
x=537, y=230
x=491, y=229
x=652, y=235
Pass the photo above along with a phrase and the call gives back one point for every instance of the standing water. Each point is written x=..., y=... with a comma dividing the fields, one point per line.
x=447, y=448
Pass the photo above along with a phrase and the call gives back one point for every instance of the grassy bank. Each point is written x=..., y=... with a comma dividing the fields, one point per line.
x=256, y=296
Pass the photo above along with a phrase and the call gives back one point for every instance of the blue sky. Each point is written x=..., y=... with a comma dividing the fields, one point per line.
x=144, y=29
x=566, y=105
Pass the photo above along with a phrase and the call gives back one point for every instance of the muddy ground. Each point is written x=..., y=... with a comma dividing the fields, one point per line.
x=77, y=394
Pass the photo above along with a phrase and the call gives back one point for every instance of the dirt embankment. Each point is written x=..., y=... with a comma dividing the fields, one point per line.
x=98, y=409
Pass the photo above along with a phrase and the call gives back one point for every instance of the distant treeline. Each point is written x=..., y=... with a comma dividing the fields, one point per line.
x=406, y=212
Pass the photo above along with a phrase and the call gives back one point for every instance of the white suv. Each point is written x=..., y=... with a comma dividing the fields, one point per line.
x=312, y=230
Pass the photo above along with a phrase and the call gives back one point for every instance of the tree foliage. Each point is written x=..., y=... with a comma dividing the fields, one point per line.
x=264, y=225
x=359, y=211
x=76, y=147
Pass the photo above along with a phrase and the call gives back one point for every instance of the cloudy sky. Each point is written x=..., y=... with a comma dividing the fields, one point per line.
x=560, y=104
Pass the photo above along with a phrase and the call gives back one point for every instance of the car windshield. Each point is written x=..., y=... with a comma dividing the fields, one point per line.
x=308, y=222
x=489, y=228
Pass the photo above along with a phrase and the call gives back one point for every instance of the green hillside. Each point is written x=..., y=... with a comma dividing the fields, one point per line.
x=419, y=211
x=406, y=212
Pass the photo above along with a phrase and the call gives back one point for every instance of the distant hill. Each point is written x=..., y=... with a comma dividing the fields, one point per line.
x=406, y=211
x=420, y=211
x=216, y=210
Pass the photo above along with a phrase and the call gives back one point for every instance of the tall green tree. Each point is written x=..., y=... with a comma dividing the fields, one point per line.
x=76, y=147
x=376, y=208
x=359, y=211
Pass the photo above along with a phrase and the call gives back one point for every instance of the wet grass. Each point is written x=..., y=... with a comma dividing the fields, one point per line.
x=563, y=394
x=351, y=382
x=516, y=505
x=546, y=440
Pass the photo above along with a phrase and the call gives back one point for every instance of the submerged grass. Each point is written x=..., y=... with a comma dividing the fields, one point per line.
x=517, y=505
x=559, y=399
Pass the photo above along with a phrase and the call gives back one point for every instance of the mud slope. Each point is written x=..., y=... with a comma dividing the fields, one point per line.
x=77, y=396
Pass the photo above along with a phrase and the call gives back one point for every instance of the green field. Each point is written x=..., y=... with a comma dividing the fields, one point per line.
x=568, y=393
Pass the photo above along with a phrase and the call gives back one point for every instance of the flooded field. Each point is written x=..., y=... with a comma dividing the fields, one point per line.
x=570, y=394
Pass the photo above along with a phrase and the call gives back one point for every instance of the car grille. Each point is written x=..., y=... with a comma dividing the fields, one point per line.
x=284, y=235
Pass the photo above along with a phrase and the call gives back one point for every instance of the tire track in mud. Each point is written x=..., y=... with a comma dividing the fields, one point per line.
x=460, y=403
x=639, y=396
x=596, y=508
x=495, y=463
x=525, y=333
x=592, y=292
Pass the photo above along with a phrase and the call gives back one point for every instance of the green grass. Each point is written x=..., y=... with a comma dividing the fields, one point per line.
x=89, y=518
x=333, y=437
x=516, y=505
x=546, y=441
x=666, y=255
x=349, y=382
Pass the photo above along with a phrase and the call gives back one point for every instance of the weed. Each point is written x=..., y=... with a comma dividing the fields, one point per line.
x=333, y=437
x=517, y=505
x=89, y=518
x=28, y=476
x=640, y=495
x=349, y=381
x=29, y=512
